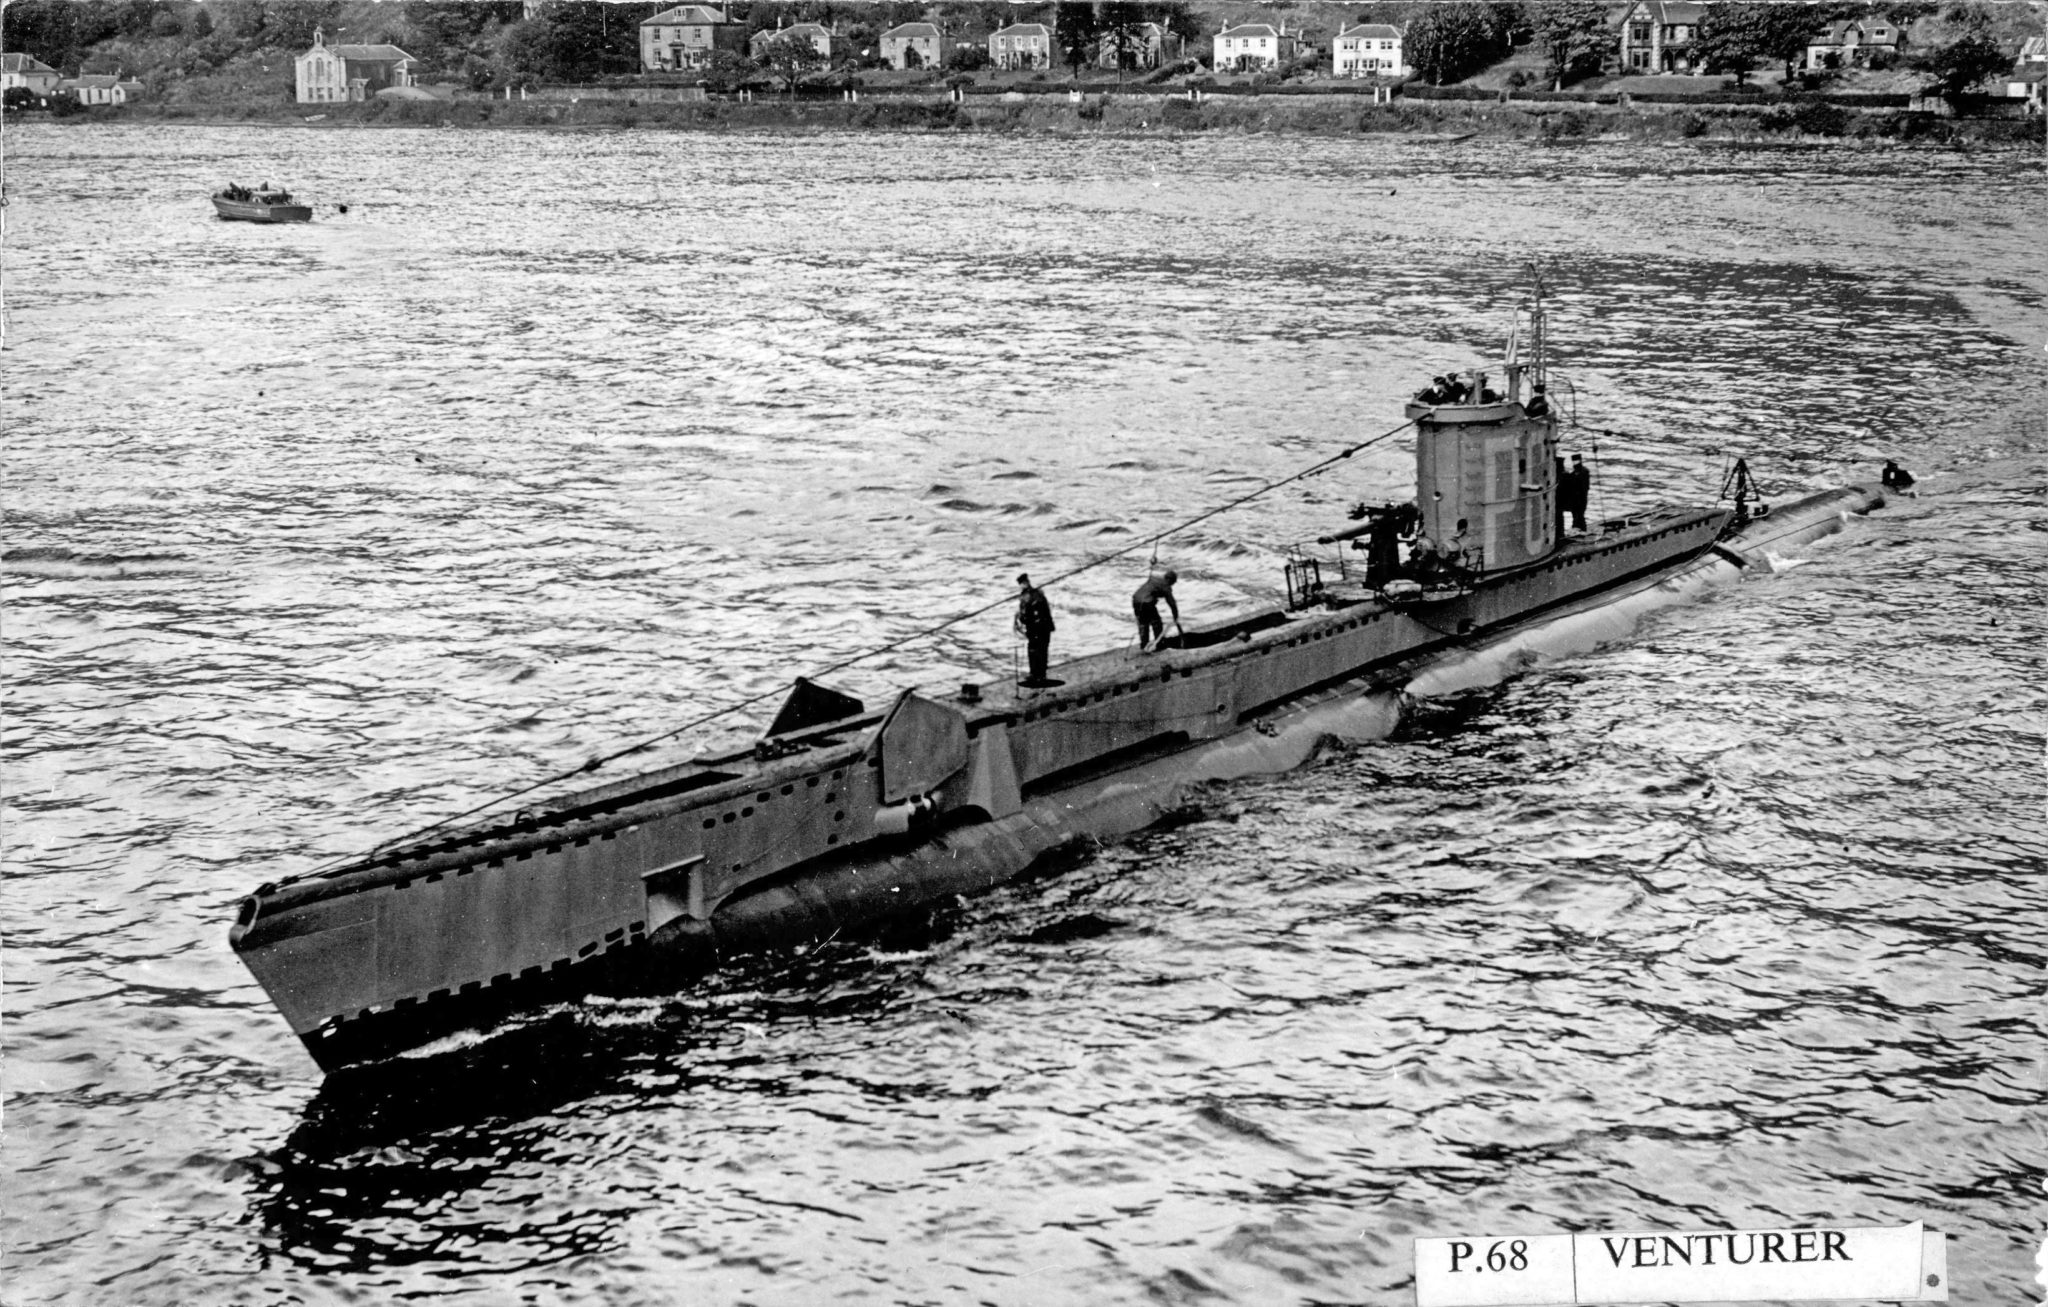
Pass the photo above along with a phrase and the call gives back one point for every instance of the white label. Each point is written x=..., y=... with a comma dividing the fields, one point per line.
x=1894, y=1263
x=1494, y=1271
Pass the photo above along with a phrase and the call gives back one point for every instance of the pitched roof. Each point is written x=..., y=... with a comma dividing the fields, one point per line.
x=1837, y=33
x=911, y=29
x=1376, y=31
x=686, y=15
x=1674, y=13
x=23, y=63
x=1023, y=29
x=369, y=53
x=92, y=82
x=1250, y=29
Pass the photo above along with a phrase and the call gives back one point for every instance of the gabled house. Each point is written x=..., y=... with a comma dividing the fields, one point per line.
x=27, y=70
x=1656, y=36
x=1368, y=50
x=1021, y=45
x=1250, y=46
x=1146, y=45
x=101, y=89
x=2025, y=82
x=1866, y=42
x=2033, y=50
x=817, y=34
x=916, y=45
x=686, y=36
x=330, y=73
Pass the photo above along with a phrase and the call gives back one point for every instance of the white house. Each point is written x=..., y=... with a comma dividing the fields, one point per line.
x=27, y=70
x=1853, y=42
x=1253, y=45
x=1368, y=50
x=101, y=89
x=916, y=45
x=686, y=36
x=332, y=73
x=1021, y=45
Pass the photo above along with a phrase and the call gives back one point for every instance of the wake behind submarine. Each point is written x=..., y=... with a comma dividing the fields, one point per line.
x=841, y=816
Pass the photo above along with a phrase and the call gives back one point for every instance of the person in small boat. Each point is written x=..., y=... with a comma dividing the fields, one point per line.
x=1574, y=488
x=1034, y=622
x=1145, y=602
x=1539, y=403
x=1896, y=477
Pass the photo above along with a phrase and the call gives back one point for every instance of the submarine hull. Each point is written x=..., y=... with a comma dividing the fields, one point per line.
x=843, y=823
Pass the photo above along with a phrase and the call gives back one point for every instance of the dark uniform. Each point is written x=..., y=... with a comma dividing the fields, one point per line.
x=1145, y=607
x=1035, y=624
x=1574, y=488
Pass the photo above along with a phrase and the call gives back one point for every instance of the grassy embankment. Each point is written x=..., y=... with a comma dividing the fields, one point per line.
x=1131, y=115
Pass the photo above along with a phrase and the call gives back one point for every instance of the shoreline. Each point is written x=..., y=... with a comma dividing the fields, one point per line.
x=1163, y=115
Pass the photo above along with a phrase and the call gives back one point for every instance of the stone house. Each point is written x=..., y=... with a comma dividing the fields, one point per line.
x=331, y=73
x=1368, y=50
x=27, y=70
x=1656, y=36
x=686, y=36
x=916, y=45
x=1021, y=45
x=1250, y=46
x=1871, y=41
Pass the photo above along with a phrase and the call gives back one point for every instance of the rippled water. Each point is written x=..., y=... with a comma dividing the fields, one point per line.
x=318, y=533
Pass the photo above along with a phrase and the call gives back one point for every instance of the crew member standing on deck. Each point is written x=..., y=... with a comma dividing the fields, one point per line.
x=1573, y=490
x=1145, y=606
x=1034, y=623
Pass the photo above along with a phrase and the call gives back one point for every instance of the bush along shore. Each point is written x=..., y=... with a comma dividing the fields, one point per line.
x=1557, y=122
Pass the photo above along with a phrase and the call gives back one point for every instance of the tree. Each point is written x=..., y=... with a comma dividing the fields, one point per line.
x=1963, y=63
x=788, y=57
x=1735, y=37
x=1121, y=29
x=1074, y=27
x=1730, y=38
x=1450, y=41
x=1573, y=35
x=728, y=71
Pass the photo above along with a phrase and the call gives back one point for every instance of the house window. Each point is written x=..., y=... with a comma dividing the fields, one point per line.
x=1639, y=32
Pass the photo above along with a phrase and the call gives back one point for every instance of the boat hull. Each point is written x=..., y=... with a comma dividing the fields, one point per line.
x=877, y=814
x=250, y=211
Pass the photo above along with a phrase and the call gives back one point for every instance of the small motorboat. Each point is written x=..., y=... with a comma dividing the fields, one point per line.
x=240, y=204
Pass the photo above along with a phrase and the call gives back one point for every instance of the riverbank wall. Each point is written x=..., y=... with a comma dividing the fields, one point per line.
x=1127, y=114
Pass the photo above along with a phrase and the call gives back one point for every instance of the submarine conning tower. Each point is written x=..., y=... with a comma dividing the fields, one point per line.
x=1486, y=461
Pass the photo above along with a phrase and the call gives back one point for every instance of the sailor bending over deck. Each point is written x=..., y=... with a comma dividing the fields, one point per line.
x=1145, y=607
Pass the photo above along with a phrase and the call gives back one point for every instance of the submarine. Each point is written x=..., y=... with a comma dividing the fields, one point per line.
x=842, y=815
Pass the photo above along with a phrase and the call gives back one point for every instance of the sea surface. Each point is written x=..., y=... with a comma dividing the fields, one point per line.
x=1728, y=915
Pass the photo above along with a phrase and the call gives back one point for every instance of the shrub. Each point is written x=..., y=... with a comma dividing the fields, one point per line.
x=1692, y=124
x=1820, y=118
